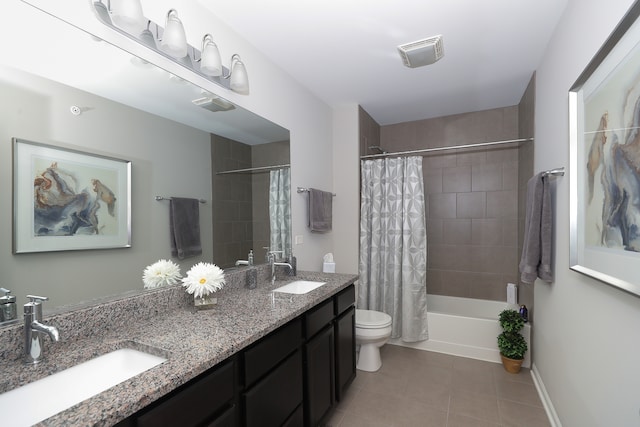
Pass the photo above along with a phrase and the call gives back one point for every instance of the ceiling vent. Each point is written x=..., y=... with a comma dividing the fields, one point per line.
x=213, y=103
x=421, y=52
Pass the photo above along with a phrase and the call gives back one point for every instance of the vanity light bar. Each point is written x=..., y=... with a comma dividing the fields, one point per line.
x=149, y=37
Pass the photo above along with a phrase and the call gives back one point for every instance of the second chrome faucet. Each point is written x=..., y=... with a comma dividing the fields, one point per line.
x=35, y=330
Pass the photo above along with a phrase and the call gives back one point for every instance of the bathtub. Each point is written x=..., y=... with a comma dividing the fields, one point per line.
x=465, y=327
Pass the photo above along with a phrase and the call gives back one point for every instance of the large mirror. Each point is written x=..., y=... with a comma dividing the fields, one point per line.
x=62, y=87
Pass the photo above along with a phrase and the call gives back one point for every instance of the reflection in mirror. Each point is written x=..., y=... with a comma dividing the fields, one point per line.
x=251, y=192
x=124, y=108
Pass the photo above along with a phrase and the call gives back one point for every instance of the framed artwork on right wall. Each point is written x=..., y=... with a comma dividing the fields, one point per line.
x=604, y=126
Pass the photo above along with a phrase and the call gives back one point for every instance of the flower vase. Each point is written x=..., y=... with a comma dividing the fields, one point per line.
x=204, y=302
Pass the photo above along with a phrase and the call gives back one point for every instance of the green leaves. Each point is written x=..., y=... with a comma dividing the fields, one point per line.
x=510, y=343
x=511, y=321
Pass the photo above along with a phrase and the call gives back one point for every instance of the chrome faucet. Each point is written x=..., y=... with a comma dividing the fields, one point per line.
x=274, y=263
x=34, y=330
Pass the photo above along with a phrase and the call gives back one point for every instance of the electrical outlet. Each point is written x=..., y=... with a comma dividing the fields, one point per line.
x=299, y=240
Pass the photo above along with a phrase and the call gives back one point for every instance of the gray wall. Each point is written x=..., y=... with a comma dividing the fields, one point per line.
x=167, y=159
x=526, y=110
x=585, y=346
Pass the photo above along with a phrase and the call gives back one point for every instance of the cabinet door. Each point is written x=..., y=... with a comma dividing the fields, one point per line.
x=345, y=351
x=319, y=376
x=276, y=396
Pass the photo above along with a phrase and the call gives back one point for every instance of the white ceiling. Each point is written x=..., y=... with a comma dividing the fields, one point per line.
x=344, y=51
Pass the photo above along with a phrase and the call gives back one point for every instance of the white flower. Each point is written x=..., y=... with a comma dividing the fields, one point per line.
x=161, y=273
x=203, y=279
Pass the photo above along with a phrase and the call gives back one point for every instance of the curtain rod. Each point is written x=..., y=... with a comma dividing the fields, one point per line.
x=453, y=147
x=256, y=169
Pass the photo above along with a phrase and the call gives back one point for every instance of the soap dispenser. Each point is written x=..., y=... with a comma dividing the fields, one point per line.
x=250, y=257
x=7, y=306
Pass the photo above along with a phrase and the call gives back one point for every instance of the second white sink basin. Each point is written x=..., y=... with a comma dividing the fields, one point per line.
x=299, y=287
x=39, y=400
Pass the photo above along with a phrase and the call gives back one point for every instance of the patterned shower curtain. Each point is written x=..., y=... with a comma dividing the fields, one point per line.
x=393, y=245
x=279, y=211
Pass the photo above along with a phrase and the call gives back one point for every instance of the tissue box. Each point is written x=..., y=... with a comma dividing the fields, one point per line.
x=328, y=267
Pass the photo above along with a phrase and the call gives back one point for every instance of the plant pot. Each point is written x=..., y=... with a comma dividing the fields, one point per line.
x=511, y=365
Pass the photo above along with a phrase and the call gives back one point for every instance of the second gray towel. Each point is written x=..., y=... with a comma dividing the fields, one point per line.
x=184, y=227
x=320, y=210
x=536, y=249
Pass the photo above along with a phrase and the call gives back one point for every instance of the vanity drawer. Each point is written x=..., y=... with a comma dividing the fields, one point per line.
x=270, y=350
x=275, y=398
x=196, y=402
x=317, y=318
x=345, y=299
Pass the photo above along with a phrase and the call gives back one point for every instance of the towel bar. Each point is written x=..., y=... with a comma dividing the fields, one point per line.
x=555, y=172
x=159, y=198
x=306, y=190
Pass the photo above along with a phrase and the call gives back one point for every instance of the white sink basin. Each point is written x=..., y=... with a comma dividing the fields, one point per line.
x=37, y=401
x=299, y=287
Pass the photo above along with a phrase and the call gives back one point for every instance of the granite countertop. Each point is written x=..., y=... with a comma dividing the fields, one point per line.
x=193, y=340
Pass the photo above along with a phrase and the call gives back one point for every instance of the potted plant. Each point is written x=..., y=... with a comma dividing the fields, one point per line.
x=511, y=343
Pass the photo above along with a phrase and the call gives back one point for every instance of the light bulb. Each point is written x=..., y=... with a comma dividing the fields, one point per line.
x=174, y=40
x=210, y=62
x=127, y=14
x=239, y=78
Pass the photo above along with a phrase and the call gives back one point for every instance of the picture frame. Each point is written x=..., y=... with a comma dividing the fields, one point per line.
x=604, y=123
x=66, y=199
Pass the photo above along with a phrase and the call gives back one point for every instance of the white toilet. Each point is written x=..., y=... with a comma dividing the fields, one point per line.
x=373, y=329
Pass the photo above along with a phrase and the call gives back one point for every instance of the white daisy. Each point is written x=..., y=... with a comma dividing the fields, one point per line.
x=203, y=279
x=161, y=273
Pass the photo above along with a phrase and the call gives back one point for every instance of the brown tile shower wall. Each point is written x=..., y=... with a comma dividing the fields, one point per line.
x=241, y=201
x=472, y=200
x=232, y=201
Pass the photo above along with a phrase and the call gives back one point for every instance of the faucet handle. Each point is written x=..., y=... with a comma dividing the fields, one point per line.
x=36, y=299
x=34, y=307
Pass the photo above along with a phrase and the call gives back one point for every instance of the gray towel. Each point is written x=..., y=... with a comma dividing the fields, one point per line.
x=184, y=227
x=320, y=210
x=536, y=248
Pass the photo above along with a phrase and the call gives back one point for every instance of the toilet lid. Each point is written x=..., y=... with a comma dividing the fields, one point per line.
x=372, y=319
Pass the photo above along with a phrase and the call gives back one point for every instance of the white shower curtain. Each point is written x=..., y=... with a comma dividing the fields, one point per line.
x=279, y=211
x=393, y=245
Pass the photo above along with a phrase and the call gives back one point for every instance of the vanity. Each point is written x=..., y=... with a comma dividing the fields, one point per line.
x=257, y=358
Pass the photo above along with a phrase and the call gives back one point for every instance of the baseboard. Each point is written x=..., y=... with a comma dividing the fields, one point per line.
x=544, y=397
x=473, y=352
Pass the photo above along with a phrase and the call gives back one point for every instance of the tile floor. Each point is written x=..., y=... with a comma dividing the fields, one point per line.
x=422, y=388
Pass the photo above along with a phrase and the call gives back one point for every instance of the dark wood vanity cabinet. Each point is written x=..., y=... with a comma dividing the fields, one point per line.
x=292, y=377
x=345, y=342
x=208, y=400
x=319, y=363
x=330, y=358
x=272, y=380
